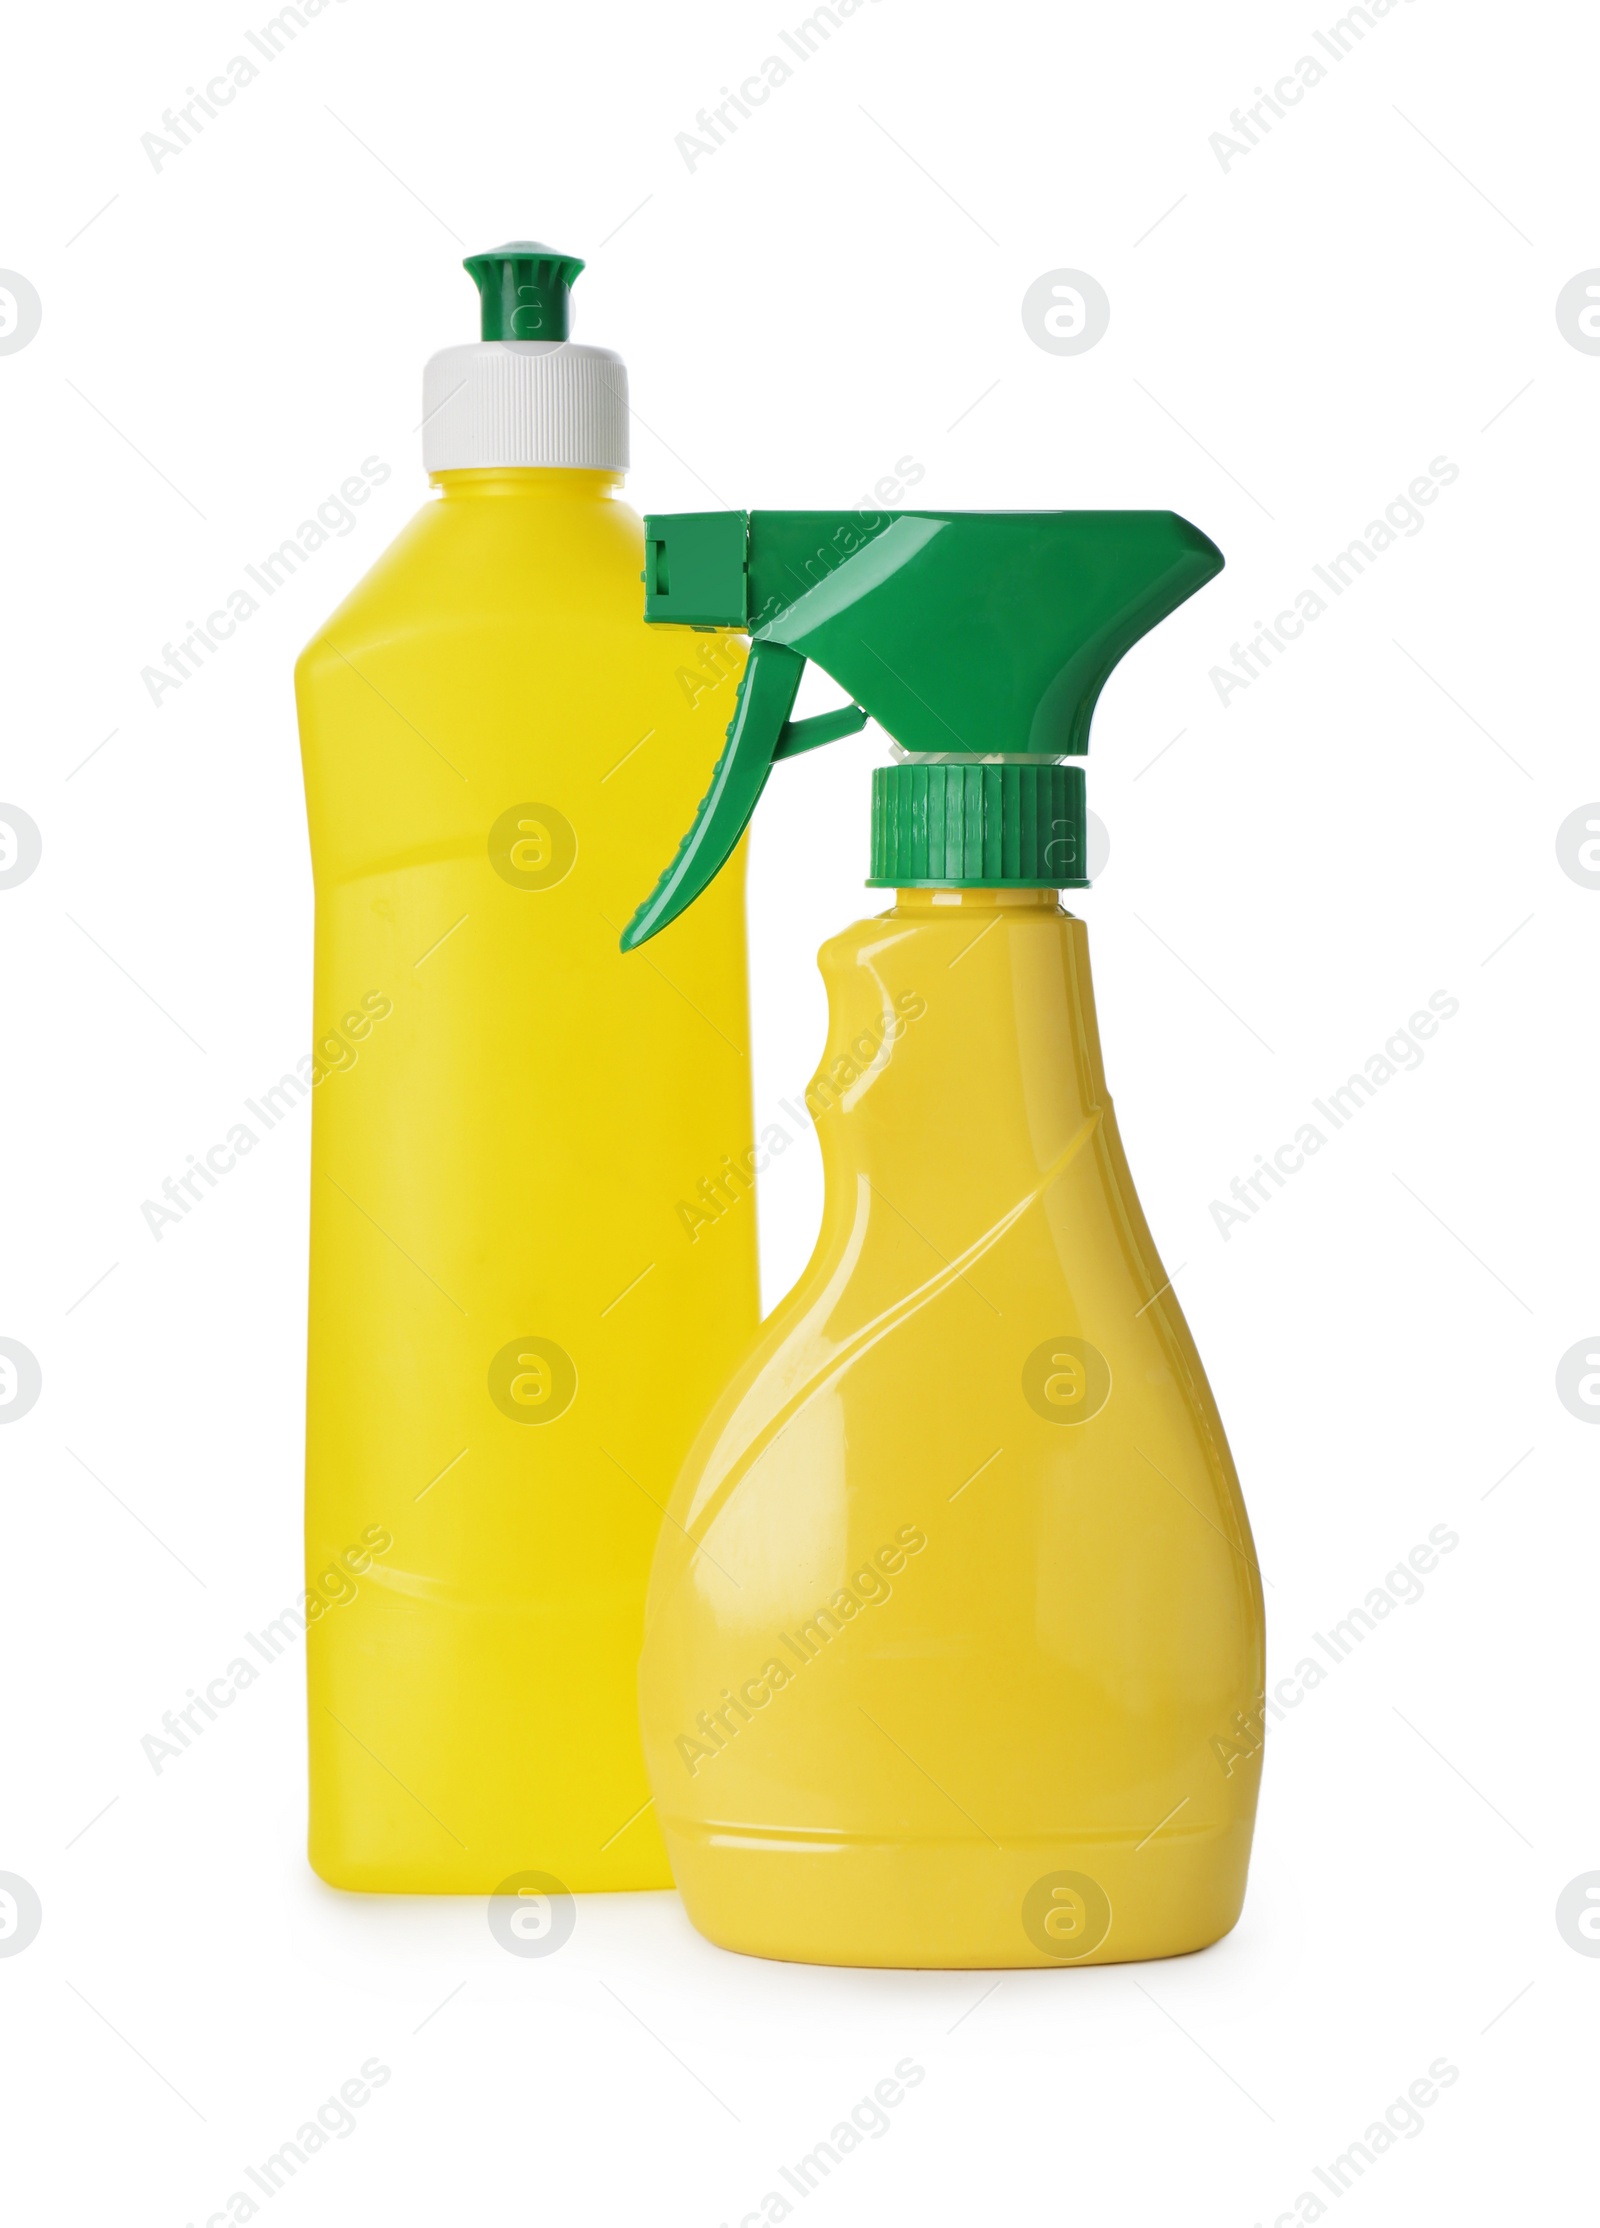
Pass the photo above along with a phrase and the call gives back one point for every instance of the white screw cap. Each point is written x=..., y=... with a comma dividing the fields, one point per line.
x=502, y=403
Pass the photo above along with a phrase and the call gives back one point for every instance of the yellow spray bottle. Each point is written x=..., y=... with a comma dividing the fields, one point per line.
x=957, y=1612
x=511, y=1340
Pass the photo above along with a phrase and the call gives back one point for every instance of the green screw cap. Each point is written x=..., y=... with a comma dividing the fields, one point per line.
x=978, y=827
x=525, y=289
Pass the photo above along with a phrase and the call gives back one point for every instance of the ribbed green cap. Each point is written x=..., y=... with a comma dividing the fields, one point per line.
x=525, y=289
x=978, y=827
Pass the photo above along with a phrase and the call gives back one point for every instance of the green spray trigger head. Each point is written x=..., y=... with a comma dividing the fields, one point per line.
x=525, y=290
x=980, y=640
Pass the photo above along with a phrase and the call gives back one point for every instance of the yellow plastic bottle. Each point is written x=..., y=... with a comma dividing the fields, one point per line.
x=512, y=1337
x=956, y=1616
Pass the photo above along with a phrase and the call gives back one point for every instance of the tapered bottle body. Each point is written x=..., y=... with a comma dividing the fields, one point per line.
x=512, y=1336
x=958, y=1602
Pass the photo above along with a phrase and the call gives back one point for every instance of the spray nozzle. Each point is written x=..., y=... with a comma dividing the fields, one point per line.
x=980, y=640
x=525, y=289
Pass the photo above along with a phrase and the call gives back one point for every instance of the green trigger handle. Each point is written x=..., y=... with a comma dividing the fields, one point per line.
x=760, y=733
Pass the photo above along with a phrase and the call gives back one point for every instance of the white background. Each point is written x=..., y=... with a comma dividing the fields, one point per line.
x=1293, y=339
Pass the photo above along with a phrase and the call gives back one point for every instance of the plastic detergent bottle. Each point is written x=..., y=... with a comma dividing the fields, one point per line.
x=512, y=1337
x=956, y=1613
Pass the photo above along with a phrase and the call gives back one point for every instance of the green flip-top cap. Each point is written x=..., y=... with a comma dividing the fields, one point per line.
x=525, y=289
x=980, y=640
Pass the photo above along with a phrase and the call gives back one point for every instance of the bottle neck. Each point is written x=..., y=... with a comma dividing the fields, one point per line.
x=978, y=901
x=530, y=483
x=962, y=1056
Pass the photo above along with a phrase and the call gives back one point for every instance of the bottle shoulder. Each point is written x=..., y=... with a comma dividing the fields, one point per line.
x=463, y=568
